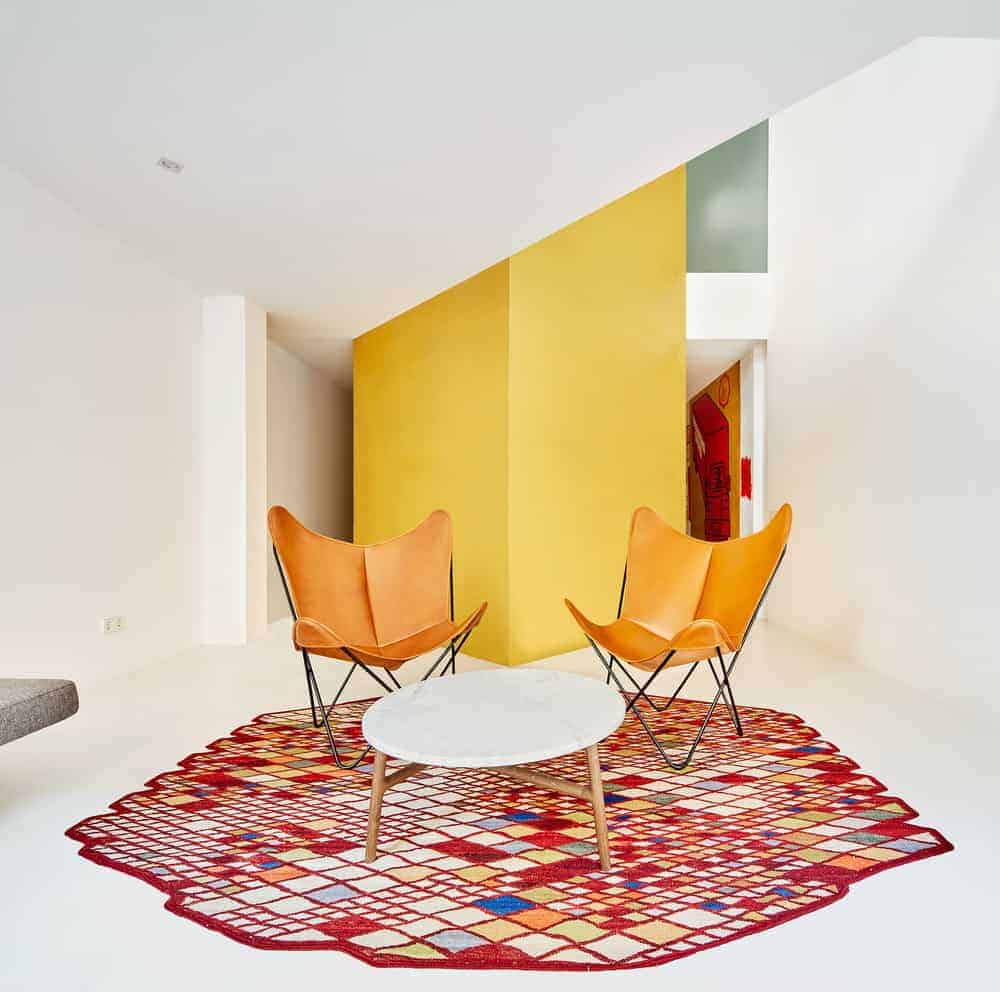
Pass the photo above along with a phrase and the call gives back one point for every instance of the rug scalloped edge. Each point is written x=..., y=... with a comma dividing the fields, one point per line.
x=878, y=789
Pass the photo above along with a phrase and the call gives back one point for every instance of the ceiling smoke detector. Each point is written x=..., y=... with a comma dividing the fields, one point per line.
x=169, y=164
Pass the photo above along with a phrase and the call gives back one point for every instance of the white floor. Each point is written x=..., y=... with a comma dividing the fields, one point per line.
x=69, y=924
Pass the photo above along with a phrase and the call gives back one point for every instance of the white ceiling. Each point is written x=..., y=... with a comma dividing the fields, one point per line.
x=344, y=161
x=709, y=358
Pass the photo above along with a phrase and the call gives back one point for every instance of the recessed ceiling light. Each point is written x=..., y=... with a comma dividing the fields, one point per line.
x=169, y=164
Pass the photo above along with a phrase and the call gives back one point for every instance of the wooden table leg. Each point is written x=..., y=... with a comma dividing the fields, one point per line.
x=597, y=798
x=375, y=809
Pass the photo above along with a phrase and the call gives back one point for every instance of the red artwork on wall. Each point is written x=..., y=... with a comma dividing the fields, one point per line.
x=746, y=479
x=710, y=454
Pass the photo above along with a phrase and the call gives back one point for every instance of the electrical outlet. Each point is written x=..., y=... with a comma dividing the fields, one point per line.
x=113, y=625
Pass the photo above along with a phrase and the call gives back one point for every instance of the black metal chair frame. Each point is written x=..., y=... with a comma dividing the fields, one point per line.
x=315, y=698
x=724, y=687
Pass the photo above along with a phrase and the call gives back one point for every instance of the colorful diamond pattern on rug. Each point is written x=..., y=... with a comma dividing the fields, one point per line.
x=261, y=837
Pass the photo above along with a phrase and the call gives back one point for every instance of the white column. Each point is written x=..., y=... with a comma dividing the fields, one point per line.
x=234, y=545
x=746, y=442
x=758, y=368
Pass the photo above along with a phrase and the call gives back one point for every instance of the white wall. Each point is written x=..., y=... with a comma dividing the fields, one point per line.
x=753, y=406
x=724, y=306
x=309, y=452
x=884, y=363
x=98, y=446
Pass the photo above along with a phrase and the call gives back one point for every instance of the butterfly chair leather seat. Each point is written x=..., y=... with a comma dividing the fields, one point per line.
x=643, y=647
x=319, y=639
x=383, y=604
x=685, y=601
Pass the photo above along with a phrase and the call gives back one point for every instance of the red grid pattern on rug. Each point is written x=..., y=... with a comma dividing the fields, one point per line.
x=261, y=837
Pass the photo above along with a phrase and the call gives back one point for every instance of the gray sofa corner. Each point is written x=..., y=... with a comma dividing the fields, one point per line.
x=27, y=705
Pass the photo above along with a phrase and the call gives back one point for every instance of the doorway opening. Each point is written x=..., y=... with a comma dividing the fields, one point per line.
x=725, y=438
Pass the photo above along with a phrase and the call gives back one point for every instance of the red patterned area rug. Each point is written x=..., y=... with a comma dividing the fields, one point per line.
x=261, y=838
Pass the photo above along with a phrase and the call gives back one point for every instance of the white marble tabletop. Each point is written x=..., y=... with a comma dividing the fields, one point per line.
x=493, y=718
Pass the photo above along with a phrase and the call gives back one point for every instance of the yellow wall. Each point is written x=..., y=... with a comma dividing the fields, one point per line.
x=430, y=431
x=596, y=407
x=539, y=402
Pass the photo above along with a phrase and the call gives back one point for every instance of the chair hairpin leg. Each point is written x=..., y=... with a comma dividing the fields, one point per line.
x=451, y=653
x=314, y=693
x=437, y=661
x=451, y=613
x=642, y=689
x=641, y=692
x=312, y=698
x=310, y=675
x=724, y=684
x=314, y=688
x=627, y=675
x=677, y=766
x=360, y=664
x=343, y=686
x=316, y=700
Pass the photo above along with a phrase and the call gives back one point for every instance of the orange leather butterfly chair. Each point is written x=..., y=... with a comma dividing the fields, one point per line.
x=684, y=601
x=375, y=606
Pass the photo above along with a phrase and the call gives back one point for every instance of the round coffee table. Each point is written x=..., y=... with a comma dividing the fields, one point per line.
x=499, y=721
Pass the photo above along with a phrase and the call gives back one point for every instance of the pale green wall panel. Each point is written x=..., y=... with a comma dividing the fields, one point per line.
x=727, y=205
